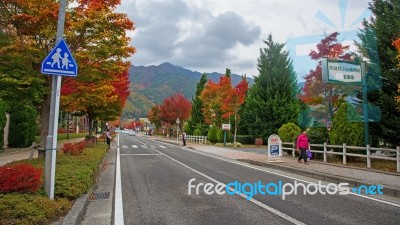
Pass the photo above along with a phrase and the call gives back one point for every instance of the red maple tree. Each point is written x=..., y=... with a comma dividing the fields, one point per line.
x=320, y=95
x=174, y=107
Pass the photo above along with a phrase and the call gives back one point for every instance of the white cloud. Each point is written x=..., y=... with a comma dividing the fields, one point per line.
x=210, y=35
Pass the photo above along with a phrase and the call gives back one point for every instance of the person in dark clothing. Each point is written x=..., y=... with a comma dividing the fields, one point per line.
x=184, y=138
x=108, y=138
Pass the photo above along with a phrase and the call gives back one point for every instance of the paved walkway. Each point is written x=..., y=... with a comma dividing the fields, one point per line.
x=10, y=155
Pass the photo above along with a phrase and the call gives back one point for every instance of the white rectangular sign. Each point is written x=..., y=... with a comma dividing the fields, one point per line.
x=341, y=72
x=226, y=127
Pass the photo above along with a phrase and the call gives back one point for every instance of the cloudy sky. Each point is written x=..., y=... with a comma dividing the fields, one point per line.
x=211, y=35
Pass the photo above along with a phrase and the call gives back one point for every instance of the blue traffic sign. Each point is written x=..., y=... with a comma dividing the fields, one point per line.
x=60, y=61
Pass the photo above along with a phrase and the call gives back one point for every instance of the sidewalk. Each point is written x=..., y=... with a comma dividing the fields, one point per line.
x=14, y=154
x=318, y=170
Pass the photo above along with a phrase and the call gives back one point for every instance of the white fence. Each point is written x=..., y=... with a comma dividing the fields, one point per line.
x=195, y=139
x=395, y=156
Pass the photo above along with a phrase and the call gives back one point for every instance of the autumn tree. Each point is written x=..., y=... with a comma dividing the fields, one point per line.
x=232, y=104
x=174, y=107
x=271, y=101
x=213, y=96
x=27, y=35
x=322, y=96
x=98, y=36
x=153, y=116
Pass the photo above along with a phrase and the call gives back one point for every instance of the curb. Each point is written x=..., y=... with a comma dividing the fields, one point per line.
x=78, y=210
x=388, y=190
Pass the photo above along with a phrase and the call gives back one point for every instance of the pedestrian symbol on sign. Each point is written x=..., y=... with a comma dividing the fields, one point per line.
x=60, y=61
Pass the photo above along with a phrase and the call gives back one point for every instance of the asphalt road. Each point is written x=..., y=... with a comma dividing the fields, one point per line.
x=155, y=190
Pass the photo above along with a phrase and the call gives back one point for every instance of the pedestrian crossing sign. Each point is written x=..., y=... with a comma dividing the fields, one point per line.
x=60, y=61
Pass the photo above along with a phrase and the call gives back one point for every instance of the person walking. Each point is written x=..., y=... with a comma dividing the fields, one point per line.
x=184, y=138
x=108, y=137
x=302, y=145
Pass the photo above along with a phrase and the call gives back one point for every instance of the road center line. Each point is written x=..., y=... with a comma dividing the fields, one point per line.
x=276, y=212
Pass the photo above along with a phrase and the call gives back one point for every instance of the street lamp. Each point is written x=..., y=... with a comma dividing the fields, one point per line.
x=177, y=128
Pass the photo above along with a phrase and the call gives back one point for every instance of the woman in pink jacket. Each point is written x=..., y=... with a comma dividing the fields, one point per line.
x=302, y=145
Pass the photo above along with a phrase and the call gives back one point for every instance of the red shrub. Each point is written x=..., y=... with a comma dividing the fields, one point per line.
x=62, y=130
x=73, y=149
x=20, y=178
x=68, y=148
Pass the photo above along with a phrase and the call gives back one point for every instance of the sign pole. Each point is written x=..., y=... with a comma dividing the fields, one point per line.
x=365, y=104
x=51, y=140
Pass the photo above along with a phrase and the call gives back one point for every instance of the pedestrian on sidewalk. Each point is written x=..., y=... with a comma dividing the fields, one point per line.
x=302, y=145
x=108, y=137
x=184, y=138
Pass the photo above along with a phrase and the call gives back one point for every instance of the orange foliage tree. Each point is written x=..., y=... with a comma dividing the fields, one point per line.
x=98, y=36
x=213, y=96
x=153, y=116
x=235, y=99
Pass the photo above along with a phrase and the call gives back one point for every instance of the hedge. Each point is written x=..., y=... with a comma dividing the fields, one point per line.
x=75, y=174
x=246, y=139
x=22, y=126
x=212, y=134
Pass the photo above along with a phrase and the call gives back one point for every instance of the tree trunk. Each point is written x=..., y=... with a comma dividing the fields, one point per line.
x=90, y=127
x=236, y=125
x=44, y=120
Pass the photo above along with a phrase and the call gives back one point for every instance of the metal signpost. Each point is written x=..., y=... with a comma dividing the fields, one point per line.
x=225, y=127
x=177, y=129
x=58, y=63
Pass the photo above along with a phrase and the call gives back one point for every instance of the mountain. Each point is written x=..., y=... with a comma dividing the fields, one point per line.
x=152, y=84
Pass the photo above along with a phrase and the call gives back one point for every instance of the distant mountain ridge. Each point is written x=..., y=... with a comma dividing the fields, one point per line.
x=152, y=84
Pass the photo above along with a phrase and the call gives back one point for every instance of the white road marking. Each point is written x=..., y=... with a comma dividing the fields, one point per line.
x=134, y=146
x=162, y=146
x=138, y=154
x=144, y=146
x=276, y=212
x=118, y=207
x=124, y=146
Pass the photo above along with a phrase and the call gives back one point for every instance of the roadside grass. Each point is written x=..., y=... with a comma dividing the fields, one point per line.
x=376, y=164
x=75, y=175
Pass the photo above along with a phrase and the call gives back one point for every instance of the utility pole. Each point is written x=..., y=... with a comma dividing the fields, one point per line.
x=51, y=140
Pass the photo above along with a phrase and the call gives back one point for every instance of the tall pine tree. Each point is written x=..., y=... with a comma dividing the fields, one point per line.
x=271, y=101
x=197, y=117
x=376, y=44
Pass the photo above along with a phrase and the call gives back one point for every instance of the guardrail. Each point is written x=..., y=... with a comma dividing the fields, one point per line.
x=195, y=139
x=344, y=152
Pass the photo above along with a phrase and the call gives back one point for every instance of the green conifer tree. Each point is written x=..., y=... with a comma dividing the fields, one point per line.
x=271, y=100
